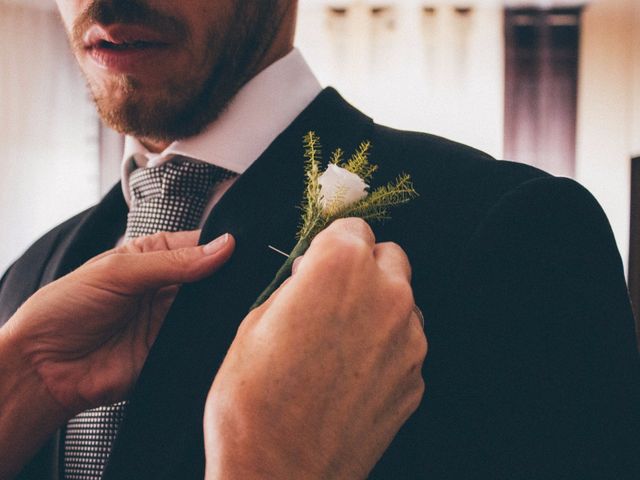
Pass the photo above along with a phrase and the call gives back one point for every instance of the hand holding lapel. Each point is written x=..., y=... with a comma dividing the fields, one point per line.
x=320, y=377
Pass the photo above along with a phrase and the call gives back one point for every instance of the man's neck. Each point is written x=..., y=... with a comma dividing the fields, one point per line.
x=158, y=146
x=154, y=146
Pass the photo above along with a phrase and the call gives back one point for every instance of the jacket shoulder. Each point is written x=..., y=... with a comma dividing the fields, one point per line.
x=458, y=166
x=458, y=187
x=24, y=277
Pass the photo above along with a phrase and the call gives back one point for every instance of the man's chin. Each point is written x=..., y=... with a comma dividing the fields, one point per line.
x=160, y=125
x=140, y=127
x=166, y=113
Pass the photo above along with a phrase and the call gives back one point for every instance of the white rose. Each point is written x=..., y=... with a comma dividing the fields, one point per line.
x=337, y=182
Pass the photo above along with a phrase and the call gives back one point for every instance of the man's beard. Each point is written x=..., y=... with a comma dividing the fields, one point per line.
x=184, y=106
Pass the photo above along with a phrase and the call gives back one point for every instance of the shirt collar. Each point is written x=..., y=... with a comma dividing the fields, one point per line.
x=262, y=109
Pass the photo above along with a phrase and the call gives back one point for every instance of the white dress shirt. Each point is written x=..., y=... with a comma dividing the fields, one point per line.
x=262, y=109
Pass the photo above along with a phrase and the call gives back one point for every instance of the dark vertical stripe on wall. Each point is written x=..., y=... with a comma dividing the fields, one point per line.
x=634, y=243
x=541, y=87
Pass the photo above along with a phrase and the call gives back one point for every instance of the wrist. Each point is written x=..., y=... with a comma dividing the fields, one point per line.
x=21, y=381
x=29, y=415
x=239, y=450
x=239, y=465
x=268, y=465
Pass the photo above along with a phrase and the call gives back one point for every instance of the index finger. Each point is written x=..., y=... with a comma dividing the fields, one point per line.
x=154, y=243
x=161, y=241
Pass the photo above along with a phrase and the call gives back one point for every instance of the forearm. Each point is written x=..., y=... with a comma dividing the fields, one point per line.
x=28, y=413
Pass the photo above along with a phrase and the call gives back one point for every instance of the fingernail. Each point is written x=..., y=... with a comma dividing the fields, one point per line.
x=215, y=245
x=296, y=265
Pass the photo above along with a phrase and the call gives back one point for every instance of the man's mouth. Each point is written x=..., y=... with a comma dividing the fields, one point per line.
x=125, y=48
x=122, y=36
x=136, y=44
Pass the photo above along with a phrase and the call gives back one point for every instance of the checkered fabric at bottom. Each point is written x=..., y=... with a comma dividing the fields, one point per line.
x=88, y=441
x=171, y=197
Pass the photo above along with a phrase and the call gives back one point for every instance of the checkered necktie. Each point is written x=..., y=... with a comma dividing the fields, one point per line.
x=168, y=198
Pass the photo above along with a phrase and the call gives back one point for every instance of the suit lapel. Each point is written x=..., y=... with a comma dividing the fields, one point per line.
x=98, y=231
x=162, y=434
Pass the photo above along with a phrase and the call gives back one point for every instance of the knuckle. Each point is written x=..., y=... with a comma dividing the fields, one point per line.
x=346, y=223
x=150, y=243
x=343, y=250
x=416, y=348
x=419, y=393
x=325, y=238
x=413, y=397
x=339, y=261
x=180, y=257
x=395, y=297
x=355, y=246
x=160, y=240
x=417, y=344
x=399, y=255
x=354, y=253
x=400, y=291
x=137, y=244
x=392, y=246
x=417, y=361
x=423, y=348
x=354, y=226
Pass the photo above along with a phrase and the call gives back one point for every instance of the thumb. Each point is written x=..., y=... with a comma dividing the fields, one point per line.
x=136, y=273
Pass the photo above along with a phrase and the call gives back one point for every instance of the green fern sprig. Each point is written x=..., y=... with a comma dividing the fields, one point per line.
x=359, y=162
x=318, y=214
x=376, y=205
x=337, y=157
x=336, y=204
x=394, y=193
x=310, y=207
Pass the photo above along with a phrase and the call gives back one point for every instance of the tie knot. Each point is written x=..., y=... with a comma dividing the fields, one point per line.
x=171, y=197
x=178, y=178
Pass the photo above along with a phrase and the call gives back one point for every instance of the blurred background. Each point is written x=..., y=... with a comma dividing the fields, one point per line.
x=555, y=84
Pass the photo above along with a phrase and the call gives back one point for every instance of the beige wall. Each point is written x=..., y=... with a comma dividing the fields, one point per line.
x=48, y=130
x=609, y=107
x=441, y=74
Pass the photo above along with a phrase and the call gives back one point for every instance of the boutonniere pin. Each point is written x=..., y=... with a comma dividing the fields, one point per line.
x=342, y=190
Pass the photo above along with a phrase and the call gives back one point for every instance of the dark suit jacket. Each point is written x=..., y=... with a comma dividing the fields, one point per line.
x=532, y=370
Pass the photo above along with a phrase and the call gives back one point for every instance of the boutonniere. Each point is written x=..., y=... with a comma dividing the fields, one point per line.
x=341, y=190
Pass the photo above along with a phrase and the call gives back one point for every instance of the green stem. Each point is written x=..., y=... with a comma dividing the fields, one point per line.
x=284, y=272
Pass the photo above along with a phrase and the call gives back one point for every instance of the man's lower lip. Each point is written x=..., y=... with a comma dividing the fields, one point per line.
x=128, y=60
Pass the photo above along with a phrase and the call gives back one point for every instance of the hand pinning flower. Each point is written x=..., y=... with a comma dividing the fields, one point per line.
x=340, y=191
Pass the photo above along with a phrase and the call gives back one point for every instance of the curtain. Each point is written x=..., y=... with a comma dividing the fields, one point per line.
x=49, y=160
x=542, y=87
